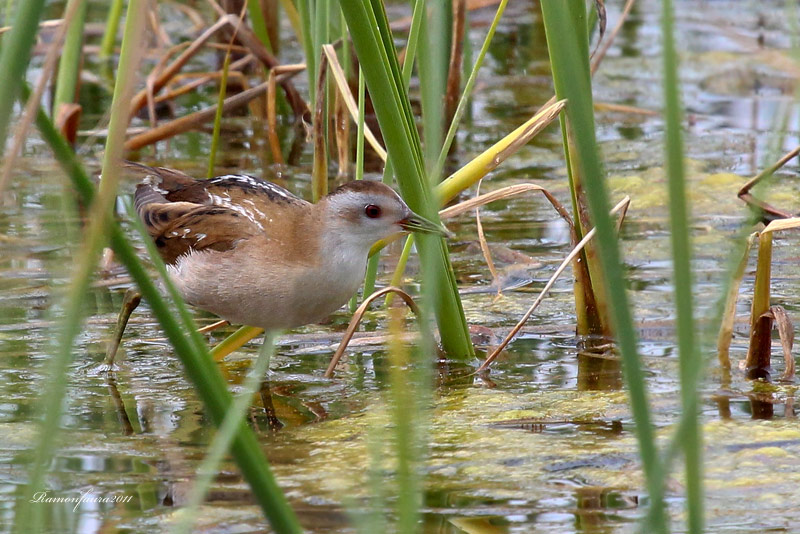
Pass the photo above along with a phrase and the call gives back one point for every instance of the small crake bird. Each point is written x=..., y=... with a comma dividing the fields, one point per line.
x=255, y=254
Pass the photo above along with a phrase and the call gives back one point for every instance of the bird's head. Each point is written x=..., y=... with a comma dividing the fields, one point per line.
x=368, y=211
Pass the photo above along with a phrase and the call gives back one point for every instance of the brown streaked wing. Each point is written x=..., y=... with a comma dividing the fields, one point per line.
x=181, y=227
x=233, y=189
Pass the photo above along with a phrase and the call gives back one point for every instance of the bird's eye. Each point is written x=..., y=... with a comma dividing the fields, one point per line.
x=372, y=211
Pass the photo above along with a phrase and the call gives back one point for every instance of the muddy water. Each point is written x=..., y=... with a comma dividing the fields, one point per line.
x=544, y=443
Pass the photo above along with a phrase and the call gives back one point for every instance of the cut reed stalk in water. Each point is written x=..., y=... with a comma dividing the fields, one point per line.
x=621, y=207
x=760, y=349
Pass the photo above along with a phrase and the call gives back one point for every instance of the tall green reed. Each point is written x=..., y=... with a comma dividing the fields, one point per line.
x=14, y=57
x=373, y=43
x=70, y=62
x=433, y=61
x=565, y=27
x=258, y=22
x=99, y=216
x=112, y=26
x=688, y=346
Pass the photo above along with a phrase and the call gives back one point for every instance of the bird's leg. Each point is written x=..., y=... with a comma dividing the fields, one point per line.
x=129, y=303
x=269, y=409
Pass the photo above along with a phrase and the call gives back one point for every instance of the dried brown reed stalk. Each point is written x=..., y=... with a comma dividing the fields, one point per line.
x=246, y=38
x=356, y=320
x=744, y=192
x=622, y=206
x=193, y=120
x=349, y=100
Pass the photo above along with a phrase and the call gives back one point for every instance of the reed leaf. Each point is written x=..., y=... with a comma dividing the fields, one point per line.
x=565, y=29
x=70, y=62
x=258, y=23
x=14, y=57
x=112, y=26
x=688, y=346
x=304, y=9
x=374, y=45
x=234, y=418
x=96, y=235
x=433, y=63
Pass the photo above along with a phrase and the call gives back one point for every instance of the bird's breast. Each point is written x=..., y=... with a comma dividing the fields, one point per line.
x=246, y=287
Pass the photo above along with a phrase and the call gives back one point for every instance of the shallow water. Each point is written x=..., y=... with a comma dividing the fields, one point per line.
x=545, y=442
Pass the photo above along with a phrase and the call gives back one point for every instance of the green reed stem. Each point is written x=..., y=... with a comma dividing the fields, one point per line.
x=70, y=63
x=373, y=42
x=406, y=423
x=99, y=217
x=223, y=89
x=372, y=263
x=568, y=46
x=258, y=22
x=234, y=418
x=360, y=128
x=304, y=8
x=112, y=27
x=465, y=95
x=408, y=66
x=688, y=347
x=432, y=69
x=14, y=57
x=402, y=261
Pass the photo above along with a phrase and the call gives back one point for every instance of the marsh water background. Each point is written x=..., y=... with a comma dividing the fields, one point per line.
x=545, y=442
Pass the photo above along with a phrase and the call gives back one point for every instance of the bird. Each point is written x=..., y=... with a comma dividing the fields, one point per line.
x=255, y=254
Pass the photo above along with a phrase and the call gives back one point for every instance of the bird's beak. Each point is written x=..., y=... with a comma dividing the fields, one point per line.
x=417, y=223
